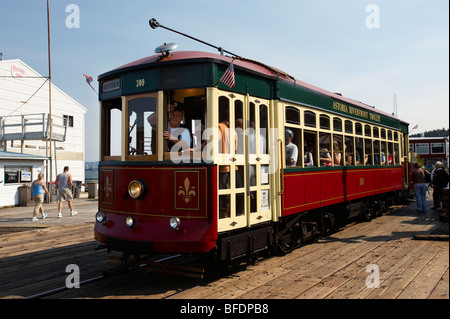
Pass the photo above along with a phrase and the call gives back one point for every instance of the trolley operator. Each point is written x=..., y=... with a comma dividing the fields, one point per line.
x=176, y=133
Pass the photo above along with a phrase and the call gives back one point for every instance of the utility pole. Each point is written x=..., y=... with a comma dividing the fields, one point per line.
x=50, y=100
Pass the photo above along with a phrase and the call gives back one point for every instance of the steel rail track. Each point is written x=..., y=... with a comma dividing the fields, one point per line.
x=92, y=280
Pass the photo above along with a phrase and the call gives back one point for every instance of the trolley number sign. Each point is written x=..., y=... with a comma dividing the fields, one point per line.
x=112, y=85
x=140, y=83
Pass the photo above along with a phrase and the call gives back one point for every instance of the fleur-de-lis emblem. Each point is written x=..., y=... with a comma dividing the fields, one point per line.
x=187, y=192
x=108, y=188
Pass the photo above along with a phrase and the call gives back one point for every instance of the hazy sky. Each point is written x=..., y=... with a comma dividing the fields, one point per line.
x=366, y=50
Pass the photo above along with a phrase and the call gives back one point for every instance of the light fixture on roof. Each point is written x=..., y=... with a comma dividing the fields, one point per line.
x=164, y=49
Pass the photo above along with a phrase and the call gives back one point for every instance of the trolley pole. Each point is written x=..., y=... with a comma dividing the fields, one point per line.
x=50, y=101
x=155, y=24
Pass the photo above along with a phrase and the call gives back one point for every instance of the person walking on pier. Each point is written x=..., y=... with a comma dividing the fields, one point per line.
x=37, y=193
x=420, y=188
x=64, y=186
x=440, y=181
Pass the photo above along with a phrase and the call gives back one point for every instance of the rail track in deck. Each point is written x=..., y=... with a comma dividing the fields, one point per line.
x=333, y=267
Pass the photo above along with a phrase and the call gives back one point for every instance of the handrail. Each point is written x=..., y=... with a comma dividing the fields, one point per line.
x=280, y=141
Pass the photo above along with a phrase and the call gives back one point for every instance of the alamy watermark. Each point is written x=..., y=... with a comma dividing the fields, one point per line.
x=73, y=19
x=373, y=19
x=373, y=280
x=73, y=280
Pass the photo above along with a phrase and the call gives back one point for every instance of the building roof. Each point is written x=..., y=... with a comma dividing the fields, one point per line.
x=14, y=156
x=16, y=71
x=429, y=138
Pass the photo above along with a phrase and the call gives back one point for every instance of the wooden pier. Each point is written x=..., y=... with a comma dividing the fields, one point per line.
x=380, y=259
x=337, y=266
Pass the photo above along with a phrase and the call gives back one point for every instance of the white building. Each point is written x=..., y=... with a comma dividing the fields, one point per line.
x=24, y=120
x=17, y=169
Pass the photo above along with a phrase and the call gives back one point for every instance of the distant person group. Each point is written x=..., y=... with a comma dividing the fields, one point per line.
x=421, y=178
x=63, y=185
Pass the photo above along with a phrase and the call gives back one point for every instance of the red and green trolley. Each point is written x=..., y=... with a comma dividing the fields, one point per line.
x=233, y=191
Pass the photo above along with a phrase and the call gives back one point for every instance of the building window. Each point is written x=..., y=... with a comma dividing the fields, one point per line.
x=422, y=148
x=68, y=119
x=17, y=174
x=437, y=148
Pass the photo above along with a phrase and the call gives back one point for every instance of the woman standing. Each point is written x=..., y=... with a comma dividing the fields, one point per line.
x=38, y=190
x=420, y=188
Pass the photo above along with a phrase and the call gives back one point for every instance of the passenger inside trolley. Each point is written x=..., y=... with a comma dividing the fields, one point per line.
x=308, y=156
x=291, y=149
x=325, y=158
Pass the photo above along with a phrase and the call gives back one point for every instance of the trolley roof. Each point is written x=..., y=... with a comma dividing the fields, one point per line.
x=253, y=77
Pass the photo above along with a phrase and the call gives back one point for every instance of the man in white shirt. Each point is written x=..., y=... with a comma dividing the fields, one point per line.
x=176, y=134
x=291, y=149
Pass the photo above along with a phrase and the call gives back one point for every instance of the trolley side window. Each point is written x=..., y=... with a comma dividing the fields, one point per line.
x=368, y=156
x=337, y=150
x=111, y=123
x=293, y=139
x=310, y=149
x=359, y=147
x=325, y=149
x=350, y=157
x=292, y=115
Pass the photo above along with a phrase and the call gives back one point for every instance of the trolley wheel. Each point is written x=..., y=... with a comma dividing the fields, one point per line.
x=285, y=244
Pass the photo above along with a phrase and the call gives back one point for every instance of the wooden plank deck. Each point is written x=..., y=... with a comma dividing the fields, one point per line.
x=335, y=267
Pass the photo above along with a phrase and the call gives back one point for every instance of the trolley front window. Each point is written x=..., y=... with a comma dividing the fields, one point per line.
x=164, y=125
x=142, y=126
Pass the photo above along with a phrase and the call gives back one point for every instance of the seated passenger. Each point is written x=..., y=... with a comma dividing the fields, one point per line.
x=308, y=157
x=337, y=158
x=291, y=149
x=325, y=158
x=349, y=160
x=383, y=158
x=376, y=159
x=358, y=157
x=337, y=155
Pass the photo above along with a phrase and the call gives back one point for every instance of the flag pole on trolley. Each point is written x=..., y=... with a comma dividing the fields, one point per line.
x=89, y=79
x=228, y=77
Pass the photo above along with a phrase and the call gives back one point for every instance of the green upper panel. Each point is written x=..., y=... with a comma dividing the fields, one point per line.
x=201, y=69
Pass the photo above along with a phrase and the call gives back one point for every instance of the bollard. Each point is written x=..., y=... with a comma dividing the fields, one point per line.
x=92, y=190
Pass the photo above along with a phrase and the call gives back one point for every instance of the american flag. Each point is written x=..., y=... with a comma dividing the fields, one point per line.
x=228, y=77
x=89, y=78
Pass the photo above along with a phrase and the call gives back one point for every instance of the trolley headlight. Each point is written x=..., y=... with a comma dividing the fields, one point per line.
x=130, y=221
x=174, y=223
x=136, y=188
x=100, y=217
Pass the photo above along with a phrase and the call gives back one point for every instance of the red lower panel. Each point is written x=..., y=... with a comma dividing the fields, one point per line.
x=309, y=189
